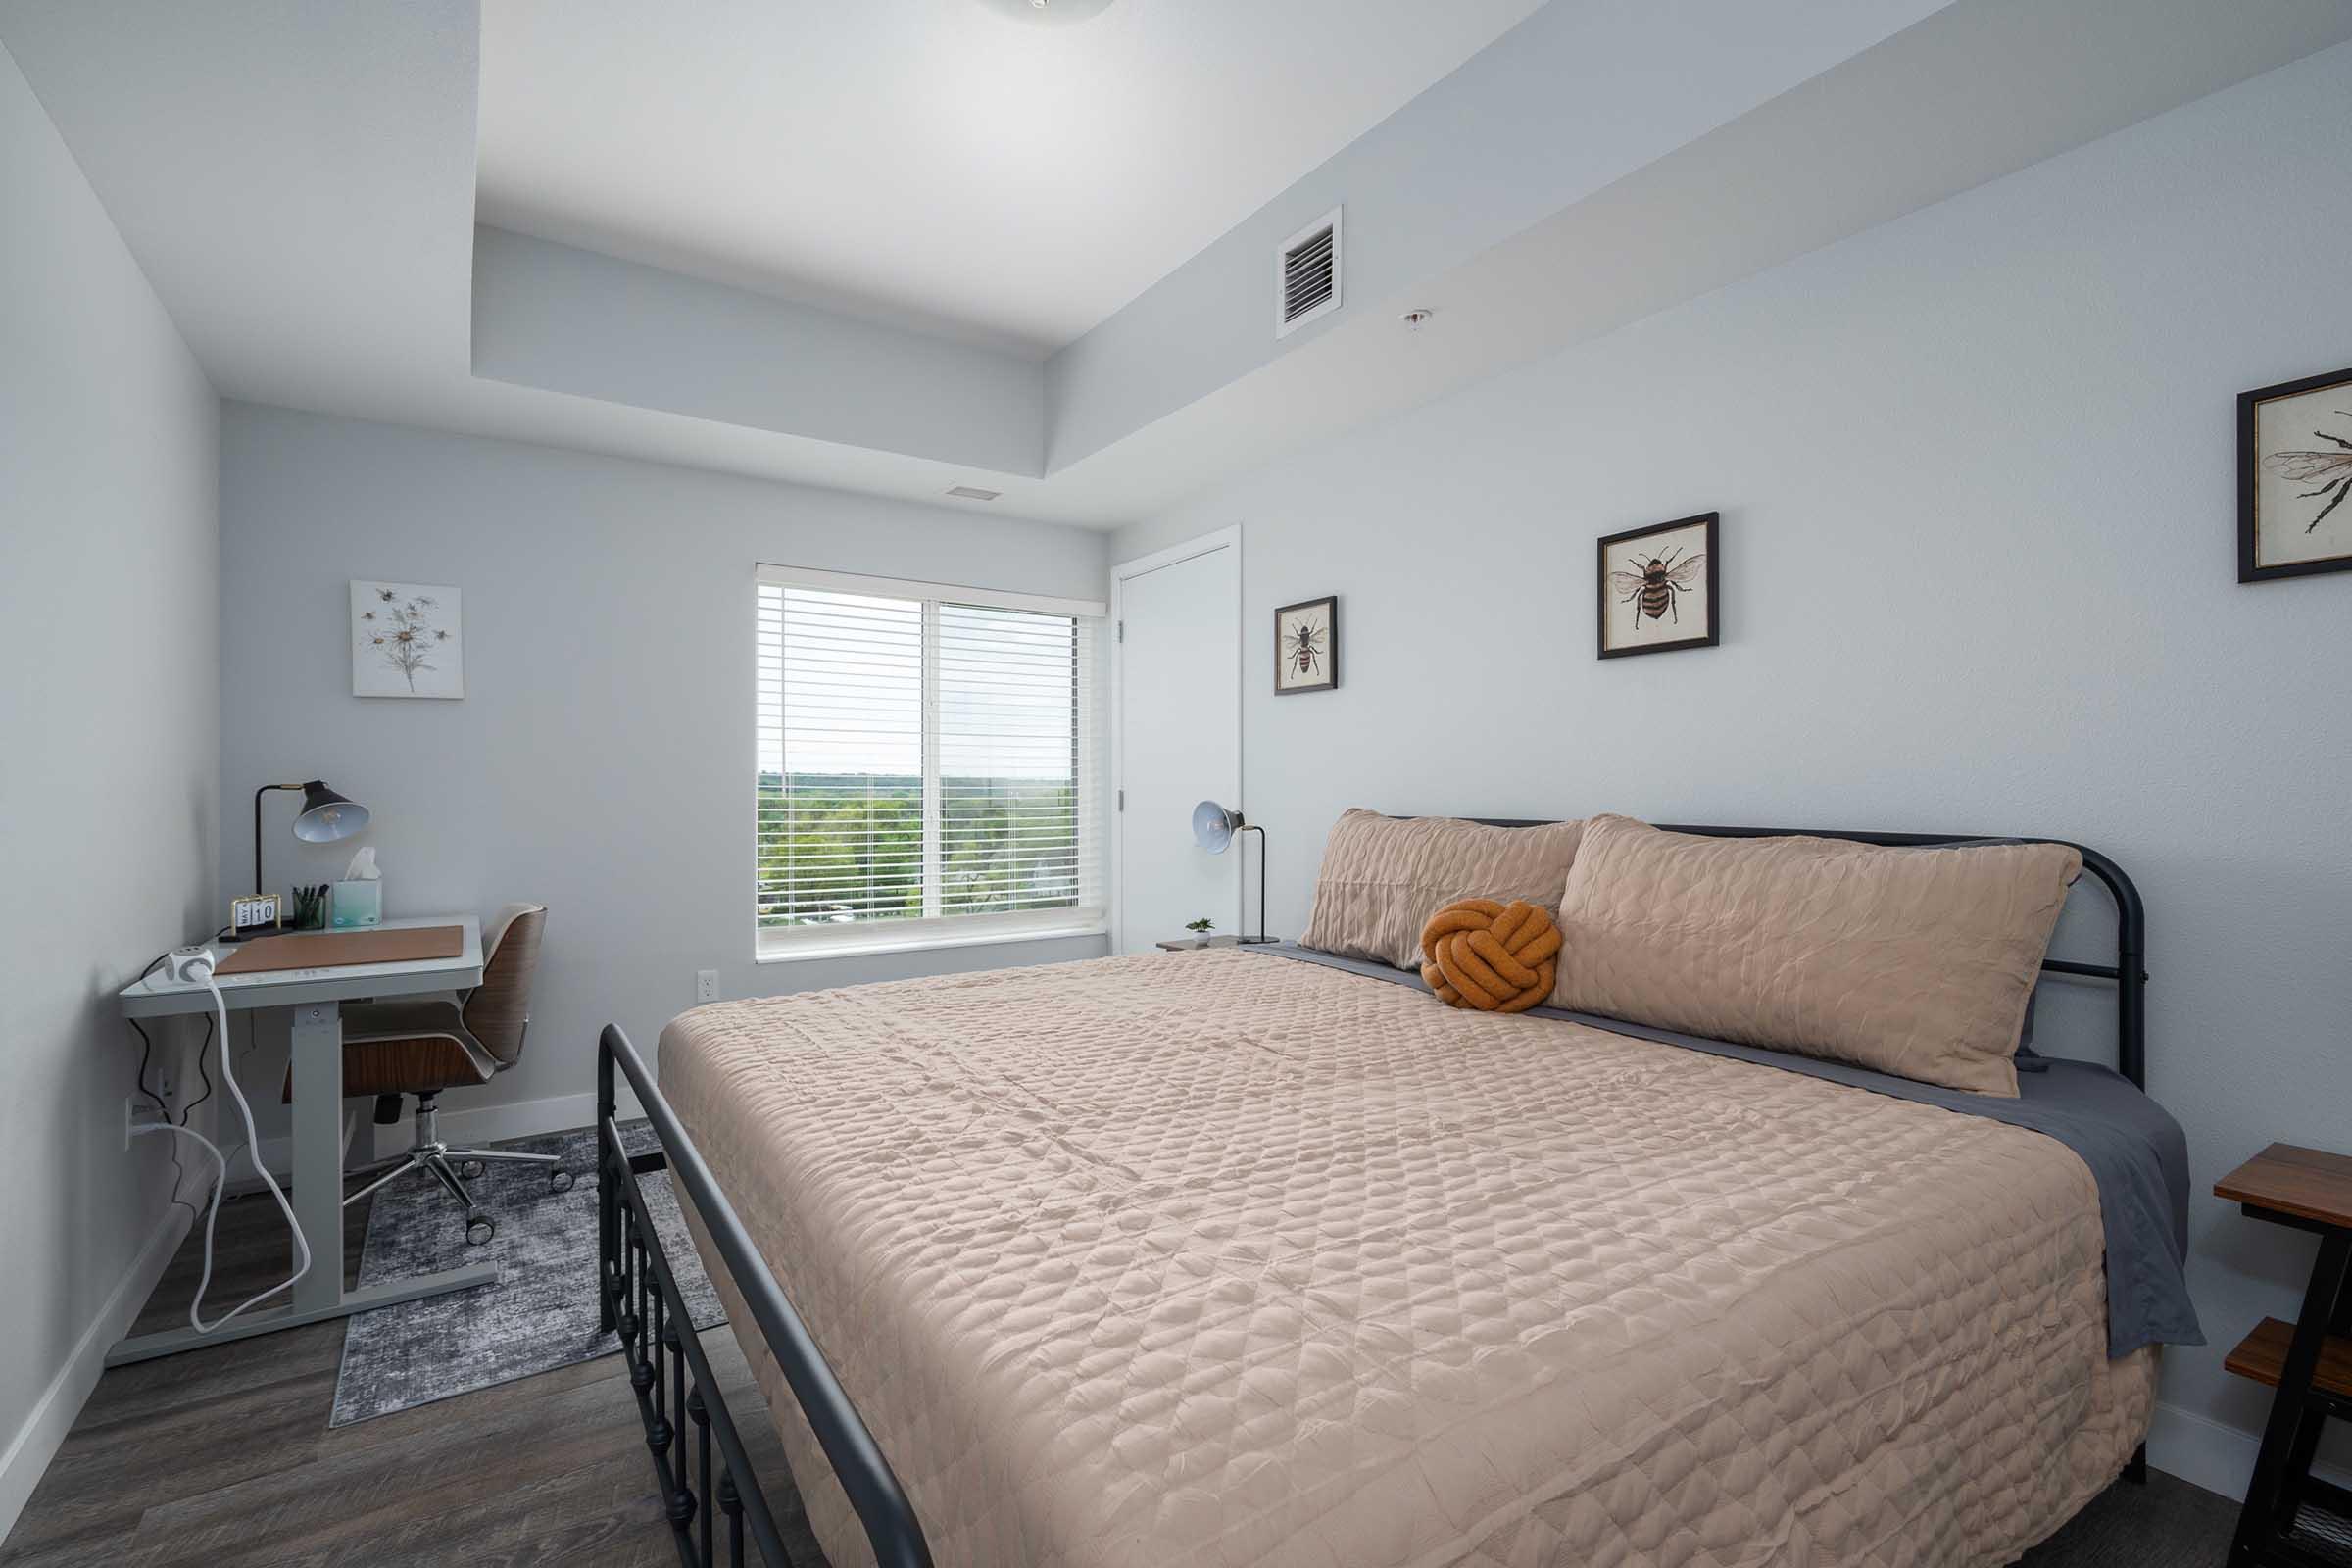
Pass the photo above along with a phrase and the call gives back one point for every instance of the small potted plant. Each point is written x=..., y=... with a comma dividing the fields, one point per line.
x=1200, y=928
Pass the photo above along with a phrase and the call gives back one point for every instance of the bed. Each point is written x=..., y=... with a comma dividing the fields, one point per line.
x=1216, y=1258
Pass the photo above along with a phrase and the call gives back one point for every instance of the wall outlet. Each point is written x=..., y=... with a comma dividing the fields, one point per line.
x=705, y=985
x=137, y=1111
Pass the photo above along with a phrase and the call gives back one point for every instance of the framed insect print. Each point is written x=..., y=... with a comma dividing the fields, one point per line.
x=1306, y=647
x=1657, y=588
x=2294, y=467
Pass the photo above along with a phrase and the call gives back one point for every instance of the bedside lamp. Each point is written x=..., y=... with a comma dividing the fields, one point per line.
x=325, y=817
x=1214, y=829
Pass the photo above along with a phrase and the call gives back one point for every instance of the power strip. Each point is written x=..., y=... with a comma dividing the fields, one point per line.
x=187, y=968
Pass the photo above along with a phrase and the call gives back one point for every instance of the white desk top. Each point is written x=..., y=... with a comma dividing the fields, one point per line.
x=285, y=988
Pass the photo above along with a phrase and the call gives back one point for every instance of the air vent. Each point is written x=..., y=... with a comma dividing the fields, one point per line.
x=1306, y=274
x=972, y=492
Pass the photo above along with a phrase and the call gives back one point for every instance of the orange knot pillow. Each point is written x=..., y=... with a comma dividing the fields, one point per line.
x=1496, y=958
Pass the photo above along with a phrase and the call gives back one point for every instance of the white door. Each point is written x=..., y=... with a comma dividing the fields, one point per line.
x=1180, y=736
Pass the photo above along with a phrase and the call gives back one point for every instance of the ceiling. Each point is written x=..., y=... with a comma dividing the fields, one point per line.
x=299, y=182
x=941, y=164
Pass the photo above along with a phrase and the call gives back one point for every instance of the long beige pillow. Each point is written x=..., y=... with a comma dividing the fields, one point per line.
x=1383, y=876
x=1912, y=961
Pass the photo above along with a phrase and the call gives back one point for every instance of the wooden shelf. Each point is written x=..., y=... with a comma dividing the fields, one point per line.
x=2307, y=1183
x=2262, y=1354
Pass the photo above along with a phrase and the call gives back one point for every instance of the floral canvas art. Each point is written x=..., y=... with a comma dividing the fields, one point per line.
x=407, y=640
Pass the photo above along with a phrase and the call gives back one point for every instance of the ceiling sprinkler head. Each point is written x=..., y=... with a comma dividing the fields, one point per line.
x=1414, y=318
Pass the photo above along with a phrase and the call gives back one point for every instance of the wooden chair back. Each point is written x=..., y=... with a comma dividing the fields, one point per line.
x=499, y=1013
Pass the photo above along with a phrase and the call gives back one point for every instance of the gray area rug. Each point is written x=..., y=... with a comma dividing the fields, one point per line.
x=540, y=1315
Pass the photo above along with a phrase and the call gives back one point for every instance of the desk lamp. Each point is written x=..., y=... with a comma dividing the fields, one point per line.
x=1214, y=829
x=325, y=817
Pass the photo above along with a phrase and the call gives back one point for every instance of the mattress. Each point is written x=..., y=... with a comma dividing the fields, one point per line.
x=1206, y=1260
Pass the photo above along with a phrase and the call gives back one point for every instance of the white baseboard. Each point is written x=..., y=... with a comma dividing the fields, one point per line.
x=488, y=1124
x=37, y=1441
x=2220, y=1458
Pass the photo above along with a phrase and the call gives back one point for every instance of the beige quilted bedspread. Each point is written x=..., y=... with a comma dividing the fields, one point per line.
x=1213, y=1258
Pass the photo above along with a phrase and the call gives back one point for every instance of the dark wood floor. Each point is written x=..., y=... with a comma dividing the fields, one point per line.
x=224, y=1456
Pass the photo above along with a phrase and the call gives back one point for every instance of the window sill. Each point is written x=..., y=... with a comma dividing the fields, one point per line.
x=803, y=952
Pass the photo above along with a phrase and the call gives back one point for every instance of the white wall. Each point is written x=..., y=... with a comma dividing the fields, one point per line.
x=601, y=760
x=1977, y=472
x=109, y=761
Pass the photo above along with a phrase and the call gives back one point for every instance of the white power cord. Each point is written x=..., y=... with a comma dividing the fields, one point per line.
x=194, y=966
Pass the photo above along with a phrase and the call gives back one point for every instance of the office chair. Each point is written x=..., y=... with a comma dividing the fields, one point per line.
x=392, y=1048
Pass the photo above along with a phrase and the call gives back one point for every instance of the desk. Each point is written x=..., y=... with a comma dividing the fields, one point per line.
x=314, y=998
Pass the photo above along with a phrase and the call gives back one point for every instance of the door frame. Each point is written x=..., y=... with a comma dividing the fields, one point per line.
x=1226, y=538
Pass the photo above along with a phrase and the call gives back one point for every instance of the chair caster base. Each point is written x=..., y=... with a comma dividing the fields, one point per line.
x=558, y=1181
x=470, y=1168
x=479, y=1229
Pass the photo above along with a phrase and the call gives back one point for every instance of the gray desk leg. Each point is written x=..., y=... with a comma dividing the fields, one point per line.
x=317, y=1198
x=318, y=1054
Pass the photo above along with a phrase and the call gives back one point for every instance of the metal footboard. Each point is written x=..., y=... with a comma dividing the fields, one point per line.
x=678, y=1398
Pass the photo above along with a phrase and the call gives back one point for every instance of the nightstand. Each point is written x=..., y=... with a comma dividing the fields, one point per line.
x=1194, y=944
x=2289, y=1518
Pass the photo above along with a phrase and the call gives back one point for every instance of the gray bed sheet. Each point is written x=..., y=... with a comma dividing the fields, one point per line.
x=2136, y=1152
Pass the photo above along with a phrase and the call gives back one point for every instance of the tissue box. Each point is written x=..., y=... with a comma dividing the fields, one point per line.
x=358, y=903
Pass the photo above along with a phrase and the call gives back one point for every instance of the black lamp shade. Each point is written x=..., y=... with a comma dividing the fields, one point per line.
x=326, y=815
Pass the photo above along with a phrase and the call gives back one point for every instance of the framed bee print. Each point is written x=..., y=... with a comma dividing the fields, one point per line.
x=2294, y=467
x=1306, y=647
x=1657, y=588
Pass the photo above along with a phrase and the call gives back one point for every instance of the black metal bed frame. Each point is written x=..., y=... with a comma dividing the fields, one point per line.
x=680, y=1402
x=638, y=1296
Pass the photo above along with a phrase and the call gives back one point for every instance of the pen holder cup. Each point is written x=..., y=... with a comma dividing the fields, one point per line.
x=358, y=903
x=308, y=911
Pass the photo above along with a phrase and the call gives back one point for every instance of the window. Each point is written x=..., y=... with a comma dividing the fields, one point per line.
x=930, y=764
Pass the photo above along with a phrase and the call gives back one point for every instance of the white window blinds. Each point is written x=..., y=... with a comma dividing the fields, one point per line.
x=930, y=764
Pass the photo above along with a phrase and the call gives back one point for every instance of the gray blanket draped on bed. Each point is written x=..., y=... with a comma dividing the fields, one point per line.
x=2137, y=1151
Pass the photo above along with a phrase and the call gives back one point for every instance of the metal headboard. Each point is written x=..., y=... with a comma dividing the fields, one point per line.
x=2128, y=974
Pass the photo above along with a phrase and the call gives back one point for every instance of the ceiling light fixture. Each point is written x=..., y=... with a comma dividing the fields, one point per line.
x=1048, y=13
